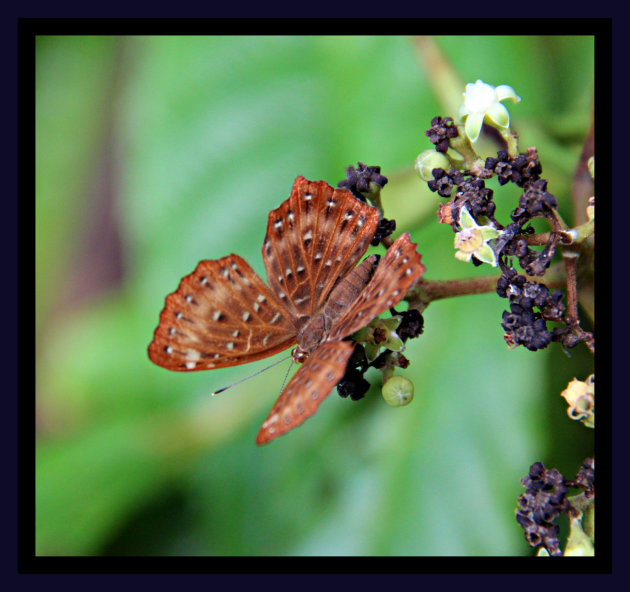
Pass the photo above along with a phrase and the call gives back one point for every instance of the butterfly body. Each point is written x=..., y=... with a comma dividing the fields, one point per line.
x=316, y=328
x=223, y=314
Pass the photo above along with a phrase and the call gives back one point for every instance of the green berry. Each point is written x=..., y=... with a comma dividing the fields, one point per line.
x=398, y=391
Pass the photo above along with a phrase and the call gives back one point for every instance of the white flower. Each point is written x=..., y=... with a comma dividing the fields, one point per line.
x=473, y=240
x=580, y=395
x=483, y=100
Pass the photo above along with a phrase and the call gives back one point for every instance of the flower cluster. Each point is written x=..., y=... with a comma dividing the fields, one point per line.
x=353, y=384
x=520, y=169
x=481, y=238
x=384, y=229
x=476, y=196
x=363, y=180
x=390, y=334
x=535, y=201
x=444, y=181
x=411, y=324
x=441, y=131
x=365, y=183
x=531, y=305
x=546, y=498
x=524, y=170
x=543, y=501
x=468, y=191
x=585, y=479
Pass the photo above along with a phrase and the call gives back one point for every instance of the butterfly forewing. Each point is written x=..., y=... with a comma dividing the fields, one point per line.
x=221, y=315
x=310, y=385
x=314, y=238
x=399, y=269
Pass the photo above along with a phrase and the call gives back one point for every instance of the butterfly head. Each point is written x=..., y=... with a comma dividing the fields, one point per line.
x=299, y=355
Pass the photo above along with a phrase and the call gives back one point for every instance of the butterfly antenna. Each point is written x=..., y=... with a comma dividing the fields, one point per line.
x=287, y=375
x=225, y=388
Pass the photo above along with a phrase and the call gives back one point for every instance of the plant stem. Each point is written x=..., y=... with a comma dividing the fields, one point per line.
x=567, y=236
x=427, y=291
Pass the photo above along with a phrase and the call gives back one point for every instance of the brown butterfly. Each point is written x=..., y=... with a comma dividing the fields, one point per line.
x=223, y=314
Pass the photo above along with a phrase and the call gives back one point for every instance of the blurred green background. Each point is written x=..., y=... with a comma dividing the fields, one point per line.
x=156, y=152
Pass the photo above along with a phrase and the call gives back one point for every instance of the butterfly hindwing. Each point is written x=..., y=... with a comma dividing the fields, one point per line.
x=397, y=271
x=304, y=393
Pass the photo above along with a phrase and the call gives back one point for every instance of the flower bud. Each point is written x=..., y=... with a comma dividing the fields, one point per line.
x=427, y=161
